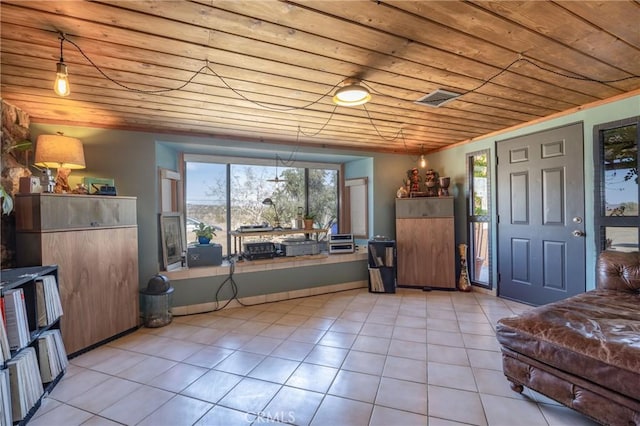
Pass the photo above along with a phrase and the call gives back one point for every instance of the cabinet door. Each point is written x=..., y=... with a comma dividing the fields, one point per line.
x=426, y=252
x=54, y=212
x=98, y=280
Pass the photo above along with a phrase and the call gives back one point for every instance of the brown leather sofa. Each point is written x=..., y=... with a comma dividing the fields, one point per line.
x=584, y=351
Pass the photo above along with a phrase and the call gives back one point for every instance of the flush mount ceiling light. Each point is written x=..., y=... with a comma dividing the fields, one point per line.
x=351, y=94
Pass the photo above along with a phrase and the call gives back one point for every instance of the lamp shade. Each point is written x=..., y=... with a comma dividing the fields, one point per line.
x=351, y=94
x=58, y=151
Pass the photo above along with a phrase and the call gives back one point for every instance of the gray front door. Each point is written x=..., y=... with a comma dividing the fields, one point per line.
x=541, y=244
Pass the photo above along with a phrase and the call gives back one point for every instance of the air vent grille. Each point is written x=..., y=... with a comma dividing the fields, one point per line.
x=437, y=98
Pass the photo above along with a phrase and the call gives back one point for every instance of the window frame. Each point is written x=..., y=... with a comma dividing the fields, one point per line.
x=601, y=220
x=228, y=161
x=473, y=219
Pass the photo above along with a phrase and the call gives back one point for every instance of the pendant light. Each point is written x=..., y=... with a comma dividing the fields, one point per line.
x=277, y=179
x=61, y=85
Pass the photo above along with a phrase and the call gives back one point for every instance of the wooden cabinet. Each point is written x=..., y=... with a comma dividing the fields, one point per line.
x=425, y=238
x=94, y=242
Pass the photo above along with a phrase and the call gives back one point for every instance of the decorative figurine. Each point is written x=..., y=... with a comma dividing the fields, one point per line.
x=402, y=192
x=62, y=181
x=463, y=283
x=414, y=179
x=444, y=186
x=431, y=182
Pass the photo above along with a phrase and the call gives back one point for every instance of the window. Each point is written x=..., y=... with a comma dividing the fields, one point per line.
x=616, y=185
x=479, y=218
x=206, y=199
x=229, y=193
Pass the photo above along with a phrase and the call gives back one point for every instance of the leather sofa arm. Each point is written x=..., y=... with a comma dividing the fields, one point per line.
x=619, y=271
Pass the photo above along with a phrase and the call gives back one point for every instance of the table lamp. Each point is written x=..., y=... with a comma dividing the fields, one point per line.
x=269, y=202
x=62, y=153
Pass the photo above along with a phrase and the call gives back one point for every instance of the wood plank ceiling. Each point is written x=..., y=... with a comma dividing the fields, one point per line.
x=268, y=69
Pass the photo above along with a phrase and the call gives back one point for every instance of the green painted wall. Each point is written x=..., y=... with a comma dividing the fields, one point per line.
x=203, y=290
x=452, y=162
x=132, y=159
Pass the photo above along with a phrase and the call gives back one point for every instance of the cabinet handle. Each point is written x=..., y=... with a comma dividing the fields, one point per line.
x=95, y=224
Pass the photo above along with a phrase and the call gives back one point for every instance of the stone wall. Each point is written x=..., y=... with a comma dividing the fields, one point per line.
x=15, y=130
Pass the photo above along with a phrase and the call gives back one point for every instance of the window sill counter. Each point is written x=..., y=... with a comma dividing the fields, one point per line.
x=245, y=266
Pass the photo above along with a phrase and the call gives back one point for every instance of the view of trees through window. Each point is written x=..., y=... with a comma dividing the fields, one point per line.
x=479, y=218
x=311, y=191
x=617, y=178
x=620, y=152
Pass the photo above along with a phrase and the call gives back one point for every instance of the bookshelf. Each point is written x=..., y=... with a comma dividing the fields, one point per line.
x=33, y=355
x=382, y=266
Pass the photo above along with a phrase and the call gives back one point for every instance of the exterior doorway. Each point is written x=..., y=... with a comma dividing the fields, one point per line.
x=540, y=190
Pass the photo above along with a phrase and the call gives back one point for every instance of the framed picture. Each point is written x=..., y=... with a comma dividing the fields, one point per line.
x=93, y=184
x=173, y=243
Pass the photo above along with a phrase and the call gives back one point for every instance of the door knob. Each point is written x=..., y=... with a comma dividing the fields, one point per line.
x=578, y=233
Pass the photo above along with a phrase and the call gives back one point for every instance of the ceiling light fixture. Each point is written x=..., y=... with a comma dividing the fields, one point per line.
x=277, y=179
x=61, y=85
x=351, y=94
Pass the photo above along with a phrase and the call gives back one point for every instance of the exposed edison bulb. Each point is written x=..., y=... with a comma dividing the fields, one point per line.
x=423, y=161
x=61, y=85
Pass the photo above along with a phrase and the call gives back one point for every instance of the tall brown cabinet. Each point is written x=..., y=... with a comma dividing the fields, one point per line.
x=425, y=238
x=94, y=241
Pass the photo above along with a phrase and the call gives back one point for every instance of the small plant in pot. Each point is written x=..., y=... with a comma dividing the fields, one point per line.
x=204, y=233
x=309, y=219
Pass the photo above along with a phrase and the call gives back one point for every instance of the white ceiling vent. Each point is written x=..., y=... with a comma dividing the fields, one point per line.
x=437, y=98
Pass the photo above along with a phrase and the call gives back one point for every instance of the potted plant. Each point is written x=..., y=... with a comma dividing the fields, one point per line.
x=204, y=233
x=309, y=219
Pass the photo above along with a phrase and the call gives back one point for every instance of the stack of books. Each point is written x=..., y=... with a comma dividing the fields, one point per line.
x=6, y=417
x=48, y=300
x=16, y=316
x=52, y=355
x=377, y=285
x=24, y=378
x=5, y=349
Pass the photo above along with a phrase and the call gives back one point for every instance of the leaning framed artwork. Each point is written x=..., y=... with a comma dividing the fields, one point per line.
x=173, y=242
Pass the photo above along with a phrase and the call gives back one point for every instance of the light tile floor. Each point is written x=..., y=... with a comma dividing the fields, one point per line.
x=348, y=358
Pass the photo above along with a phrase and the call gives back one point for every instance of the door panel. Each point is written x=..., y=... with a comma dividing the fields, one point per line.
x=540, y=192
